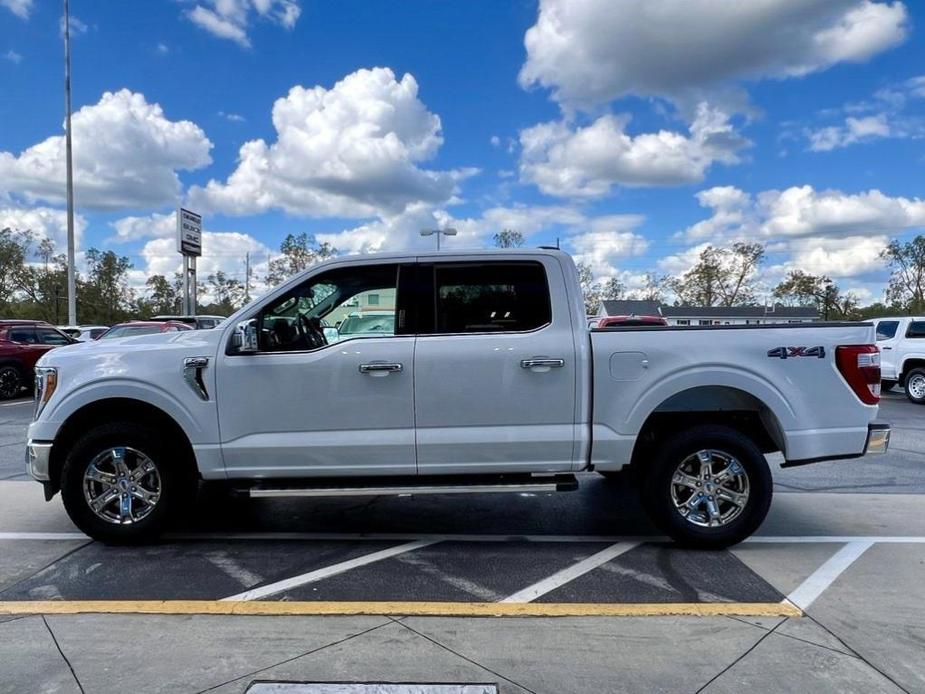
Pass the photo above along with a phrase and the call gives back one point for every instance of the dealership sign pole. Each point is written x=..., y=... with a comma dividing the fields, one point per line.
x=189, y=245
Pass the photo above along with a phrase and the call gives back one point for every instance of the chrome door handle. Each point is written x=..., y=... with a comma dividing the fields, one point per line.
x=549, y=363
x=380, y=367
x=886, y=348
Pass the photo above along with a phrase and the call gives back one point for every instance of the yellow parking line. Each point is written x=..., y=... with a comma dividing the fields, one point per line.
x=437, y=609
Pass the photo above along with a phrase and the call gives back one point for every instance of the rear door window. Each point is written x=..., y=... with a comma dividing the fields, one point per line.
x=491, y=297
x=24, y=335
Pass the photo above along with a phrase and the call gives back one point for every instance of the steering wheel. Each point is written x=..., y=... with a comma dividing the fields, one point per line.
x=311, y=332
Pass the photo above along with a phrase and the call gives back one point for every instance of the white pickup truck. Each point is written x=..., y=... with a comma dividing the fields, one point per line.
x=902, y=347
x=489, y=380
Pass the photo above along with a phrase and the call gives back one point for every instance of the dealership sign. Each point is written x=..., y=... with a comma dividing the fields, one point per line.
x=189, y=232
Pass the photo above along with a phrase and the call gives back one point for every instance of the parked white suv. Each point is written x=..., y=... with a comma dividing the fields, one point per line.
x=902, y=354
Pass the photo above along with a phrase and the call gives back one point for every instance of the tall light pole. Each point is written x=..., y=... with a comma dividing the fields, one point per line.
x=438, y=233
x=71, y=278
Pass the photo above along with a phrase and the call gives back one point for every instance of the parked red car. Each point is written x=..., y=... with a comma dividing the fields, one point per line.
x=144, y=327
x=22, y=342
x=630, y=321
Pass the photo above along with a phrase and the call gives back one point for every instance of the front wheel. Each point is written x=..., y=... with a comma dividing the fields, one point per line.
x=915, y=386
x=708, y=487
x=10, y=382
x=122, y=485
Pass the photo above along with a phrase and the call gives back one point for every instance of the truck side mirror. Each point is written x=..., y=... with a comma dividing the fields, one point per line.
x=244, y=338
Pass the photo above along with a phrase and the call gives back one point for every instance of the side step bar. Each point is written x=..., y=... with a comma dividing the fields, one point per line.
x=551, y=483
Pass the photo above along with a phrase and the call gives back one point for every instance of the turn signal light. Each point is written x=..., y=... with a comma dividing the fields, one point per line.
x=859, y=365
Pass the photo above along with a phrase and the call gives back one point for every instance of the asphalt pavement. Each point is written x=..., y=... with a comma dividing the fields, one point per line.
x=568, y=592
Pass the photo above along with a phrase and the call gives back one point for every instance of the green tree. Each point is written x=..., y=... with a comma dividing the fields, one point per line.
x=508, y=238
x=298, y=252
x=105, y=297
x=14, y=249
x=653, y=288
x=906, y=290
x=721, y=277
x=596, y=291
x=163, y=297
x=227, y=293
x=820, y=292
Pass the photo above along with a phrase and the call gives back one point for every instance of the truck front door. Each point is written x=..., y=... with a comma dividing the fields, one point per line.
x=307, y=406
x=494, y=368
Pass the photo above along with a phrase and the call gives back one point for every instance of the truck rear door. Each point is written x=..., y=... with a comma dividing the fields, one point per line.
x=494, y=368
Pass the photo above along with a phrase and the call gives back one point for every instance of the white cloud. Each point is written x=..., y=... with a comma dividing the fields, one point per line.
x=802, y=211
x=588, y=161
x=609, y=241
x=13, y=57
x=230, y=19
x=823, y=232
x=44, y=222
x=590, y=52
x=126, y=154
x=233, y=117
x=854, y=130
x=162, y=48
x=157, y=225
x=837, y=257
x=349, y=151
x=21, y=8
x=599, y=241
x=222, y=250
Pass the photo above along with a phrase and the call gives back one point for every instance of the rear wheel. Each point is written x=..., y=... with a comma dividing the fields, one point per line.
x=122, y=485
x=708, y=487
x=10, y=382
x=915, y=386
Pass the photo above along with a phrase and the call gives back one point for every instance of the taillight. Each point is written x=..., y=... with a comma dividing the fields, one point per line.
x=860, y=366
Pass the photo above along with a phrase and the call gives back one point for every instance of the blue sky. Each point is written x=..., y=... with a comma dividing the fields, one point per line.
x=634, y=132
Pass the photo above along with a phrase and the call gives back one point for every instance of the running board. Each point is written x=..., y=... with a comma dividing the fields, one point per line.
x=552, y=483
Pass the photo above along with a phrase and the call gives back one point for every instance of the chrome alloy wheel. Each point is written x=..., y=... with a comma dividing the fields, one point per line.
x=710, y=488
x=122, y=485
x=916, y=386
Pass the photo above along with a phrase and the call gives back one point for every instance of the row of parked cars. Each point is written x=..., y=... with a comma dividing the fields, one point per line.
x=23, y=342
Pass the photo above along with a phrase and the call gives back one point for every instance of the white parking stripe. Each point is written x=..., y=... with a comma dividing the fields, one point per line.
x=570, y=573
x=807, y=592
x=18, y=402
x=43, y=536
x=326, y=572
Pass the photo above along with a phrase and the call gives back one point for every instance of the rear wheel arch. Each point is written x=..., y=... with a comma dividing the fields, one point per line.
x=119, y=410
x=710, y=405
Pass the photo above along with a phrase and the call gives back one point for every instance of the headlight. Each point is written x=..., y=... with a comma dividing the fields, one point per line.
x=46, y=380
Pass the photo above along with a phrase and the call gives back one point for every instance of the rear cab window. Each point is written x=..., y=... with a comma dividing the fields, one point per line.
x=916, y=330
x=886, y=329
x=490, y=297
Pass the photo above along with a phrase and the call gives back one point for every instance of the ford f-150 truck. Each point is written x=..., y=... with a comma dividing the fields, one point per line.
x=490, y=381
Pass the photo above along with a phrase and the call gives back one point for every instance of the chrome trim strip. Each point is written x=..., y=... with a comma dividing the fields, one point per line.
x=411, y=490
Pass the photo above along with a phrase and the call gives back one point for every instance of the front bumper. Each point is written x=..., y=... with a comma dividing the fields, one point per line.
x=38, y=460
x=878, y=438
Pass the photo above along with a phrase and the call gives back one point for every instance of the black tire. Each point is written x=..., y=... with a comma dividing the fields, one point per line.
x=658, y=483
x=10, y=381
x=914, y=391
x=177, y=483
x=887, y=386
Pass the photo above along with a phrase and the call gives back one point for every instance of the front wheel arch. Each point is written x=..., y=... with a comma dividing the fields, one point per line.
x=118, y=410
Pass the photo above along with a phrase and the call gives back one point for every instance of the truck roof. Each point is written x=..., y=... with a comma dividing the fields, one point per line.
x=449, y=254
